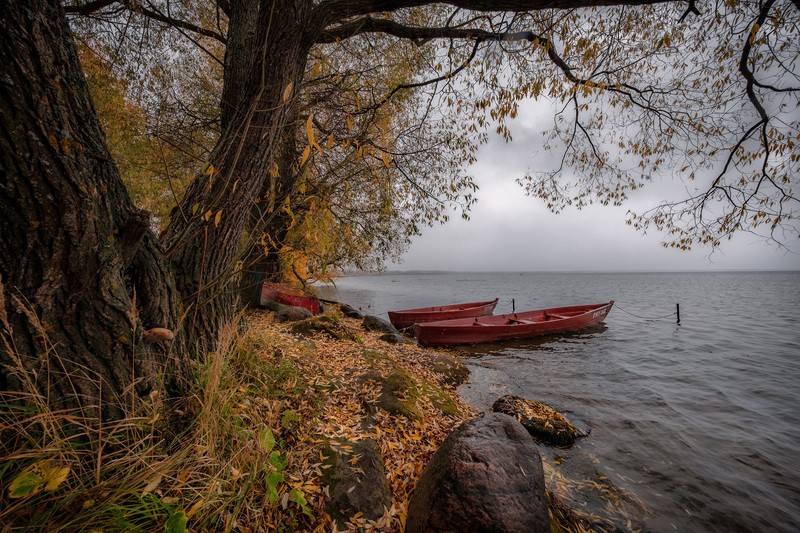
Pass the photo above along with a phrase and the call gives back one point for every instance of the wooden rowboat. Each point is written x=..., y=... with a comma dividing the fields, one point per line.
x=286, y=295
x=408, y=317
x=511, y=326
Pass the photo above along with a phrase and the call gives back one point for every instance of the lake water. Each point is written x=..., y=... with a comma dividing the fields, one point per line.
x=694, y=427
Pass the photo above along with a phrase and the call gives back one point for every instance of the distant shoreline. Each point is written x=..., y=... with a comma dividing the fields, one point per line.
x=523, y=272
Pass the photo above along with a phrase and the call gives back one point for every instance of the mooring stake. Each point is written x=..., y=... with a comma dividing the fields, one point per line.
x=678, y=312
x=513, y=306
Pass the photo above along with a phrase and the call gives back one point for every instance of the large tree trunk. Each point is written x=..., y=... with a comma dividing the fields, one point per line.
x=73, y=247
x=269, y=221
x=80, y=269
x=264, y=63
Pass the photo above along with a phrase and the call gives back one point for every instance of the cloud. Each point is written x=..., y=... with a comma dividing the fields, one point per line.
x=509, y=231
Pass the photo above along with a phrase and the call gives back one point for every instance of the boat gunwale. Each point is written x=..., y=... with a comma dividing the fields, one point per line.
x=444, y=308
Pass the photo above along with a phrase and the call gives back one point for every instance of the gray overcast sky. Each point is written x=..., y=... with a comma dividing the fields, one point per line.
x=510, y=231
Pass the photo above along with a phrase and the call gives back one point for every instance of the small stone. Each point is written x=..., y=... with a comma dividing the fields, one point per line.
x=373, y=323
x=293, y=314
x=393, y=338
x=350, y=312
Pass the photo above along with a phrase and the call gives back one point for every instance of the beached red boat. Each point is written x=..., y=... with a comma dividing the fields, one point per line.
x=286, y=295
x=511, y=326
x=408, y=317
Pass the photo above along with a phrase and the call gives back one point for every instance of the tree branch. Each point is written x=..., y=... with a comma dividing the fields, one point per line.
x=343, y=9
x=87, y=8
x=154, y=13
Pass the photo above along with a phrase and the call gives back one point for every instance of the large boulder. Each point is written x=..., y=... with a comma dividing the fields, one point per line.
x=373, y=323
x=356, y=481
x=486, y=476
x=543, y=422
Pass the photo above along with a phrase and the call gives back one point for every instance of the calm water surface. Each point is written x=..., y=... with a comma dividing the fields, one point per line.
x=694, y=427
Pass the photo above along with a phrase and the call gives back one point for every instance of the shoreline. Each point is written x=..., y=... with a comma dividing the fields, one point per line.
x=406, y=444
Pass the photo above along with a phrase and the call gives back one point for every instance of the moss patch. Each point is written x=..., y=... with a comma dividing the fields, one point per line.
x=401, y=392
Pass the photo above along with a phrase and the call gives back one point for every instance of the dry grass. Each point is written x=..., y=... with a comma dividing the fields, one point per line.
x=249, y=459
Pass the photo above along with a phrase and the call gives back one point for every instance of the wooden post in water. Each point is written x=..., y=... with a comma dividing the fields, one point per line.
x=678, y=312
x=513, y=306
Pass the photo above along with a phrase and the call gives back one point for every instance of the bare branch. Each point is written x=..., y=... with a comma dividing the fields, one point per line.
x=156, y=14
x=87, y=8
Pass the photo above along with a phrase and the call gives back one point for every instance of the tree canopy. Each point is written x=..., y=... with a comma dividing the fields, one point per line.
x=701, y=94
x=359, y=115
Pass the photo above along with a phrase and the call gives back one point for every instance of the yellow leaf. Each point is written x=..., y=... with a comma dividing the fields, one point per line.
x=329, y=144
x=150, y=487
x=349, y=123
x=386, y=161
x=306, y=155
x=207, y=215
x=42, y=474
x=210, y=169
x=753, y=33
x=54, y=476
x=315, y=71
x=287, y=92
x=194, y=508
x=273, y=170
x=218, y=217
x=310, y=130
x=26, y=484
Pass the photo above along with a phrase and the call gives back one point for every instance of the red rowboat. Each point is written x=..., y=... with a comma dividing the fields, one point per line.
x=511, y=326
x=286, y=295
x=408, y=317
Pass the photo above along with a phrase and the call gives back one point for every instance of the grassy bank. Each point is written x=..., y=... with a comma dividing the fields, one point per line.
x=245, y=454
x=248, y=451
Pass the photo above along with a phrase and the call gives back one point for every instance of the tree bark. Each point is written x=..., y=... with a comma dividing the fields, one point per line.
x=269, y=219
x=267, y=51
x=80, y=269
x=74, y=249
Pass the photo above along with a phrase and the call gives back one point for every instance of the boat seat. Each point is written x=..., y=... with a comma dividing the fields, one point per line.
x=554, y=315
x=517, y=321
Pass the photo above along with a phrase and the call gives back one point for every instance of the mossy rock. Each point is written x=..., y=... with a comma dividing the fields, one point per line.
x=292, y=313
x=440, y=398
x=401, y=391
x=356, y=480
x=325, y=324
x=451, y=369
x=399, y=395
x=543, y=422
